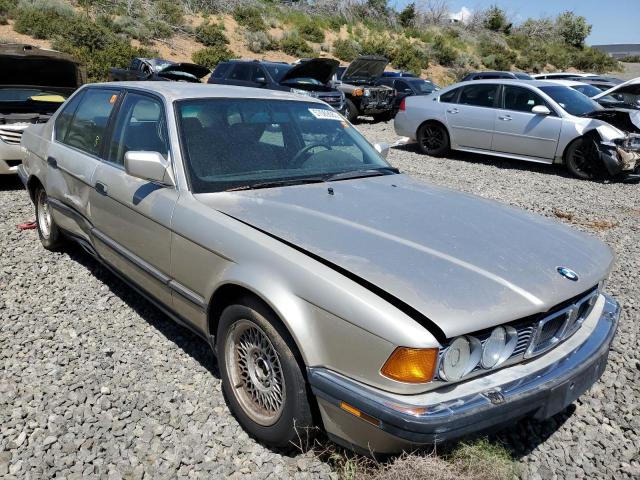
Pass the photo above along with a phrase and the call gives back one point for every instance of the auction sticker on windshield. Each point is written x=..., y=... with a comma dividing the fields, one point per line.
x=325, y=114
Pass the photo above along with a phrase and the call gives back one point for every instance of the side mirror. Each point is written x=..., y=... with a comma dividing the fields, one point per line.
x=150, y=166
x=382, y=149
x=540, y=110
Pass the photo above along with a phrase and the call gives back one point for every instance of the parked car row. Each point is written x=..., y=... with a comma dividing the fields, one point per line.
x=335, y=291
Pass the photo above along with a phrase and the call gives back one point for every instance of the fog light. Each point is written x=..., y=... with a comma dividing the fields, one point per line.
x=499, y=346
x=461, y=357
x=411, y=365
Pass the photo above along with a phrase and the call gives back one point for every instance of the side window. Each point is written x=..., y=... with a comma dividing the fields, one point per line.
x=64, y=118
x=482, y=95
x=450, y=96
x=221, y=70
x=521, y=99
x=87, y=129
x=245, y=72
x=402, y=86
x=140, y=126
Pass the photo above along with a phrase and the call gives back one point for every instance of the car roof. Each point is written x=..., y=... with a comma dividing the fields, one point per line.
x=510, y=81
x=181, y=90
x=568, y=83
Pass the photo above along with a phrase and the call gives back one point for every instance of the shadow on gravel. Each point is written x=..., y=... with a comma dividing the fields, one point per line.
x=9, y=183
x=189, y=342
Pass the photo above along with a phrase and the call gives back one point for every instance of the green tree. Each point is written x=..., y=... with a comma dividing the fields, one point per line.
x=573, y=28
x=378, y=6
x=407, y=15
x=496, y=20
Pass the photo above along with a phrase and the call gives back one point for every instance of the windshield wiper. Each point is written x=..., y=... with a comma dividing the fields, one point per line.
x=351, y=174
x=276, y=183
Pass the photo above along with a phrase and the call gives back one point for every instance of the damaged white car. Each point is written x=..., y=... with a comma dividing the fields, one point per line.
x=538, y=121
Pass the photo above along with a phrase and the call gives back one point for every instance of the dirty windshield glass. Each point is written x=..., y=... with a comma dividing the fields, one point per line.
x=237, y=144
x=573, y=102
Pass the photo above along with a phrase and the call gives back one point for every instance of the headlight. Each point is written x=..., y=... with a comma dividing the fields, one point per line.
x=461, y=357
x=301, y=92
x=499, y=346
x=367, y=92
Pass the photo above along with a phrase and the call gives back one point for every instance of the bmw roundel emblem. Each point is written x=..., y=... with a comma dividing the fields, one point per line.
x=568, y=273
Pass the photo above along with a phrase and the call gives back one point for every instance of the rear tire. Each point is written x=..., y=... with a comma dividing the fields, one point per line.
x=50, y=235
x=383, y=117
x=352, y=111
x=433, y=139
x=261, y=377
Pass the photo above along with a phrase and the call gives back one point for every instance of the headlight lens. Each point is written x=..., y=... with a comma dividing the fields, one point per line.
x=301, y=92
x=367, y=92
x=411, y=365
x=461, y=357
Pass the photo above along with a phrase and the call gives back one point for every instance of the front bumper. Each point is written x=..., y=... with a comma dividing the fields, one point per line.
x=403, y=422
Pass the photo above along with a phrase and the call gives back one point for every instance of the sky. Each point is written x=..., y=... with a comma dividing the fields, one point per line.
x=614, y=21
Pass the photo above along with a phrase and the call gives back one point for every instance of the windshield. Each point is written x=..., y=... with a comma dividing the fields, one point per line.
x=573, y=102
x=588, y=90
x=236, y=143
x=277, y=71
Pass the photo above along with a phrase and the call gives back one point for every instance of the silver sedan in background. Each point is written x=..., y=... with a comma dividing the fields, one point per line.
x=334, y=290
x=539, y=121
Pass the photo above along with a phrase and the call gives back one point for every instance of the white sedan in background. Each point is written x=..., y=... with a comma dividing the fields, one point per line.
x=538, y=121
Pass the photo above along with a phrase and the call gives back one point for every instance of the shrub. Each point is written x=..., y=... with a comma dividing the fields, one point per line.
x=497, y=56
x=346, y=50
x=258, y=42
x=445, y=54
x=593, y=60
x=250, y=18
x=42, y=20
x=210, y=35
x=408, y=15
x=377, y=46
x=573, y=28
x=630, y=59
x=7, y=8
x=295, y=46
x=171, y=12
x=311, y=32
x=407, y=56
x=211, y=56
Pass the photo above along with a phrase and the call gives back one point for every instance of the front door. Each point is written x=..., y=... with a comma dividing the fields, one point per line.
x=132, y=216
x=519, y=131
x=472, y=119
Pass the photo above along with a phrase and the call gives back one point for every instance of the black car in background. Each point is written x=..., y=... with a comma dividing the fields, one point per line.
x=310, y=77
x=406, y=87
x=495, y=75
x=402, y=73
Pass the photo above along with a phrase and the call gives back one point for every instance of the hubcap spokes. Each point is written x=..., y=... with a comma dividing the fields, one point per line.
x=433, y=138
x=44, y=215
x=255, y=371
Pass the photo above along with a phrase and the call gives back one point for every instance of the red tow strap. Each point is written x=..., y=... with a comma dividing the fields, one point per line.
x=27, y=225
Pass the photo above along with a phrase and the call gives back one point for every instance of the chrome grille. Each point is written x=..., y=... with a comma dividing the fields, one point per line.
x=330, y=99
x=11, y=134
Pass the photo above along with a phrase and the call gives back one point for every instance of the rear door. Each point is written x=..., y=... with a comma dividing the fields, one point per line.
x=74, y=154
x=132, y=216
x=471, y=120
x=519, y=131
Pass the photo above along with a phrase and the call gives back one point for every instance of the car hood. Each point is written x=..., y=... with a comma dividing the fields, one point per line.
x=630, y=87
x=198, y=71
x=30, y=66
x=321, y=69
x=365, y=68
x=623, y=119
x=465, y=262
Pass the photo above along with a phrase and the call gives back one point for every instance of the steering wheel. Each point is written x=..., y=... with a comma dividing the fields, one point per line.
x=295, y=161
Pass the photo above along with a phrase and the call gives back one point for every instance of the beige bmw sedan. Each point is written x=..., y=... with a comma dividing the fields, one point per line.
x=334, y=290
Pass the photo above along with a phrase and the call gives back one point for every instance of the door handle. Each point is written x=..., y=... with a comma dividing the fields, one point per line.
x=53, y=163
x=506, y=118
x=453, y=110
x=101, y=188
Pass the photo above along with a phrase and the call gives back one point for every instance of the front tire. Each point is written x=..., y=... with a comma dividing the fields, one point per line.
x=578, y=159
x=261, y=377
x=50, y=235
x=383, y=117
x=352, y=111
x=433, y=139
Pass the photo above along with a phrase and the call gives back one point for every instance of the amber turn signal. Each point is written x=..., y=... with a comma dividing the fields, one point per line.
x=411, y=365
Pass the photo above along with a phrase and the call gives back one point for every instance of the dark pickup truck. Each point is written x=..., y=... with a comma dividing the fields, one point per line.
x=159, y=69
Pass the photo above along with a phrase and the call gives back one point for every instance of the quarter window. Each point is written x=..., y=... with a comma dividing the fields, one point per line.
x=481, y=95
x=246, y=72
x=521, y=99
x=65, y=116
x=140, y=126
x=87, y=129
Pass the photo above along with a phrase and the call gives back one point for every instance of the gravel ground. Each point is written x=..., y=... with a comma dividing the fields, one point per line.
x=96, y=382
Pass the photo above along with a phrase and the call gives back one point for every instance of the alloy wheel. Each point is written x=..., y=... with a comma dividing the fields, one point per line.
x=253, y=366
x=44, y=214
